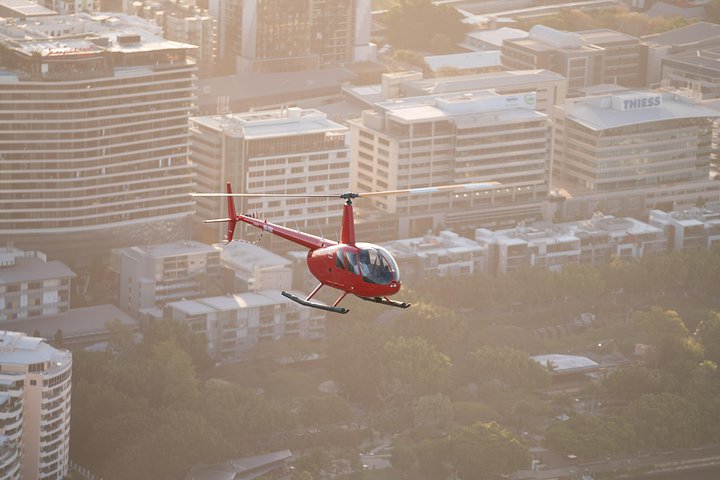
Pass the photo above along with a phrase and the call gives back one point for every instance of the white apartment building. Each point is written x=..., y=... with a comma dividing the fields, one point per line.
x=631, y=151
x=234, y=323
x=552, y=246
x=31, y=286
x=147, y=277
x=446, y=254
x=246, y=267
x=35, y=382
x=93, y=133
x=454, y=139
x=286, y=151
x=687, y=229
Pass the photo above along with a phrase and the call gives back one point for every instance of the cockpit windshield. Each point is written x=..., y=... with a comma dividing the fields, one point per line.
x=377, y=265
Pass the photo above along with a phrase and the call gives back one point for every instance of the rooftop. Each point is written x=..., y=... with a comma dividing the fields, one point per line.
x=29, y=267
x=632, y=107
x=181, y=247
x=272, y=123
x=566, y=363
x=16, y=348
x=496, y=37
x=687, y=35
x=202, y=306
x=25, y=8
x=247, y=255
x=465, y=61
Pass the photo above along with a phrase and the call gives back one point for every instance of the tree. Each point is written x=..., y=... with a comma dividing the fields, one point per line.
x=412, y=24
x=416, y=365
x=708, y=333
x=486, y=451
x=324, y=410
x=440, y=326
x=512, y=367
x=403, y=456
x=659, y=324
x=632, y=382
x=169, y=376
x=355, y=358
x=121, y=339
x=664, y=421
x=433, y=411
x=590, y=437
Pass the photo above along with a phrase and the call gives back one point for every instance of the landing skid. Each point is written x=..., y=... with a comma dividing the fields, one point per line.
x=386, y=301
x=320, y=306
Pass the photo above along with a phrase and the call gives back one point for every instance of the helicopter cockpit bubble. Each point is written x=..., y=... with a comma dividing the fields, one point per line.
x=377, y=265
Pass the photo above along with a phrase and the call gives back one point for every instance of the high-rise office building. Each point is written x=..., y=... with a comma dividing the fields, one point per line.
x=289, y=151
x=630, y=151
x=453, y=139
x=286, y=35
x=35, y=381
x=93, y=134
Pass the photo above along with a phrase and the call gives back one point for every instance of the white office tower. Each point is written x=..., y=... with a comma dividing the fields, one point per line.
x=457, y=138
x=35, y=381
x=288, y=151
x=93, y=133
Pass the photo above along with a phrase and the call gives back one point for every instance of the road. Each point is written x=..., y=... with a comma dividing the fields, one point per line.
x=662, y=462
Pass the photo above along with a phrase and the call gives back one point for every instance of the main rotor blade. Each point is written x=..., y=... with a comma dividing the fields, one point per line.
x=285, y=195
x=411, y=191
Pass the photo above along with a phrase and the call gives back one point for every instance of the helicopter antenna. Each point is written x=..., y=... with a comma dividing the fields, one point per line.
x=320, y=228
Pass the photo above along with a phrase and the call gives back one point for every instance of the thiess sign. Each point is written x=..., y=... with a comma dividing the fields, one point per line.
x=626, y=102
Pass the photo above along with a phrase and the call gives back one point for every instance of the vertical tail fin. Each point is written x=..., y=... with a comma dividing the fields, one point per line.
x=231, y=214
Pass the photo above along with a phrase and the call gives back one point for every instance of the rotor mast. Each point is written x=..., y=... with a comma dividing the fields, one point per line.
x=347, y=229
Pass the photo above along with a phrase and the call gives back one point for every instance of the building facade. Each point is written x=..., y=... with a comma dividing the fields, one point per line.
x=234, y=323
x=31, y=286
x=552, y=246
x=285, y=151
x=454, y=139
x=35, y=408
x=585, y=58
x=689, y=229
x=286, y=35
x=148, y=277
x=631, y=151
x=93, y=134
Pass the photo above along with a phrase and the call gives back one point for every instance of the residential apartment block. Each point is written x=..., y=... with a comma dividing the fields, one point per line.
x=93, y=134
x=444, y=255
x=632, y=151
x=246, y=267
x=285, y=151
x=147, y=277
x=454, y=139
x=552, y=246
x=35, y=388
x=234, y=323
x=688, y=229
x=31, y=286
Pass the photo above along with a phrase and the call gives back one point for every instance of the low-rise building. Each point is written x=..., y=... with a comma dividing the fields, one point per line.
x=445, y=254
x=551, y=246
x=688, y=229
x=234, y=323
x=246, y=267
x=31, y=286
x=147, y=277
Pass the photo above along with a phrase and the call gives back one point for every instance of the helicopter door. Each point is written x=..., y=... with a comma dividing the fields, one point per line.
x=374, y=267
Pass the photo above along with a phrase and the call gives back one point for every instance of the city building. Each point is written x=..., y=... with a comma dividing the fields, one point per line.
x=34, y=407
x=549, y=87
x=688, y=229
x=444, y=255
x=552, y=246
x=631, y=151
x=584, y=58
x=286, y=35
x=432, y=140
x=69, y=7
x=23, y=9
x=31, y=286
x=491, y=39
x=246, y=267
x=464, y=63
x=234, y=323
x=698, y=71
x=93, y=134
x=688, y=39
x=184, y=21
x=285, y=151
x=148, y=277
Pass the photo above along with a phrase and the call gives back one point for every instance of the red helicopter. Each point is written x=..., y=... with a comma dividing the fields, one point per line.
x=365, y=270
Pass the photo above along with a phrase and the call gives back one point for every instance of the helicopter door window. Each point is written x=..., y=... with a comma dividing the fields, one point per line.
x=352, y=263
x=339, y=261
x=374, y=267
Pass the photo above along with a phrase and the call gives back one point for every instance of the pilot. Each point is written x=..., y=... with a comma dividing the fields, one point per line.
x=364, y=261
